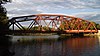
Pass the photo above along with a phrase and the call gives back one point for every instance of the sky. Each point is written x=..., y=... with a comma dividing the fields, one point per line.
x=68, y=7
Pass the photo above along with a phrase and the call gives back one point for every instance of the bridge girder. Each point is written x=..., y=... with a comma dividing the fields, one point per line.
x=53, y=22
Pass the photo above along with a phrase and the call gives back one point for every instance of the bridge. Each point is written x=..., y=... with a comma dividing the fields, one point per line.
x=50, y=23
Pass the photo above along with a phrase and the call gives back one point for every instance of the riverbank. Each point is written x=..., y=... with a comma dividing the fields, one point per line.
x=47, y=34
x=91, y=34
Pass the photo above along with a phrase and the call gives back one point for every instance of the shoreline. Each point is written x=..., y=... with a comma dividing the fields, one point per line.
x=47, y=34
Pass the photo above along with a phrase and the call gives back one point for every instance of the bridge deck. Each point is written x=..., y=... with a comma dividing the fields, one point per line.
x=66, y=31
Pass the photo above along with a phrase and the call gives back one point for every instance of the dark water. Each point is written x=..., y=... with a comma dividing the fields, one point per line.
x=50, y=46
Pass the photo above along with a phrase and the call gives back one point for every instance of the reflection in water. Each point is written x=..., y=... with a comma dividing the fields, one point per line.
x=81, y=47
x=84, y=46
x=4, y=46
x=99, y=39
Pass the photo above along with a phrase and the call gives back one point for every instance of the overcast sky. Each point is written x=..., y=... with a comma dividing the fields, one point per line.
x=70, y=7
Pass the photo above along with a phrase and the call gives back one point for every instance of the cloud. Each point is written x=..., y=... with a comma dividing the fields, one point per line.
x=23, y=7
x=91, y=16
x=86, y=13
x=20, y=7
x=57, y=3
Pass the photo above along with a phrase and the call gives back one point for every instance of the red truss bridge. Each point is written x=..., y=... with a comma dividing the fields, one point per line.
x=50, y=23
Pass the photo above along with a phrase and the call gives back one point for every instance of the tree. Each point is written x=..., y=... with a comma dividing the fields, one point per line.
x=98, y=26
x=3, y=17
x=4, y=1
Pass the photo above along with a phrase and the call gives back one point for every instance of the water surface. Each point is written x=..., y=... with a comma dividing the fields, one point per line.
x=55, y=45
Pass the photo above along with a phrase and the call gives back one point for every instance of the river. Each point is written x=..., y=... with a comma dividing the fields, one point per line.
x=51, y=45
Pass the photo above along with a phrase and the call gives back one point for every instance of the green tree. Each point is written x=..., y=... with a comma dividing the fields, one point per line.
x=3, y=17
x=98, y=26
x=47, y=28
